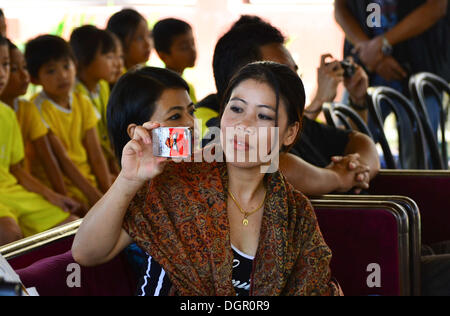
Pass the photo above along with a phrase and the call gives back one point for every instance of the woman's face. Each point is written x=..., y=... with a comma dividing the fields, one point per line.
x=248, y=125
x=174, y=109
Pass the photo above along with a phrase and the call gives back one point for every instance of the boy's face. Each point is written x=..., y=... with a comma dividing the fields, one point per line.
x=19, y=78
x=183, y=52
x=4, y=67
x=139, y=46
x=57, y=77
x=103, y=66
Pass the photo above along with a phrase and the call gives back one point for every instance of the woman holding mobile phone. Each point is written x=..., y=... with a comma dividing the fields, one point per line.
x=195, y=218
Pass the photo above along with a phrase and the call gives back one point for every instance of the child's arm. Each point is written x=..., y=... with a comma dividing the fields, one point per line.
x=72, y=172
x=97, y=160
x=52, y=169
x=33, y=185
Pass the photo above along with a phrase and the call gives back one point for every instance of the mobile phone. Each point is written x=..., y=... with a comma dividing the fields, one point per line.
x=172, y=142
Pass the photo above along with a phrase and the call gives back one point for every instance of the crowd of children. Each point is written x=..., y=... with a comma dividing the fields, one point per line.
x=56, y=159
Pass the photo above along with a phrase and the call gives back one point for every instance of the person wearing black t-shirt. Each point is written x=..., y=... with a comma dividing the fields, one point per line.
x=251, y=39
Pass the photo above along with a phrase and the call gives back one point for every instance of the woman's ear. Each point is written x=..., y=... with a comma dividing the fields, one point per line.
x=130, y=130
x=291, y=135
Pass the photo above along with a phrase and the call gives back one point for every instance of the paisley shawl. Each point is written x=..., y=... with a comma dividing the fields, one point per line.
x=181, y=220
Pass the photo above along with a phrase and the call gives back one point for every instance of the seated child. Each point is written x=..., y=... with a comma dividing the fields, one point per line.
x=34, y=132
x=120, y=66
x=175, y=45
x=95, y=55
x=70, y=117
x=25, y=207
x=132, y=30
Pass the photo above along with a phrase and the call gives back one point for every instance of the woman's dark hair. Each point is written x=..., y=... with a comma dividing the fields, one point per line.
x=286, y=84
x=87, y=40
x=133, y=101
x=44, y=49
x=124, y=24
x=166, y=30
x=240, y=46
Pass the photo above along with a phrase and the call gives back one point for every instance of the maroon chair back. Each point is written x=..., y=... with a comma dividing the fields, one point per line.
x=430, y=190
x=54, y=276
x=361, y=234
x=55, y=248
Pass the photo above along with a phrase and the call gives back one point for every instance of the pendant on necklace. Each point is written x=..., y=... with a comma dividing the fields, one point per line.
x=245, y=222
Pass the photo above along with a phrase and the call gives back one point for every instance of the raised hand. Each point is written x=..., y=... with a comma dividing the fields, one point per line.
x=138, y=162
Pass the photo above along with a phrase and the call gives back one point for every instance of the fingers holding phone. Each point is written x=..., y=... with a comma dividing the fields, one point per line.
x=138, y=161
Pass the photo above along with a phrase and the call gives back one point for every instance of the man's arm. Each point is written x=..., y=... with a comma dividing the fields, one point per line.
x=315, y=181
x=349, y=24
x=418, y=22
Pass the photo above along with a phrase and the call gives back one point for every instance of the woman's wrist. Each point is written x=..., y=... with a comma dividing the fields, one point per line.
x=128, y=185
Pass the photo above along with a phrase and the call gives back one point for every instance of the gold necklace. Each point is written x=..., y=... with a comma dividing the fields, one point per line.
x=247, y=214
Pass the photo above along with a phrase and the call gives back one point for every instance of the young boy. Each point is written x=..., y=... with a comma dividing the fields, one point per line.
x=25, y=209
x=69, y=116
x=175, y=45
x=95, y=53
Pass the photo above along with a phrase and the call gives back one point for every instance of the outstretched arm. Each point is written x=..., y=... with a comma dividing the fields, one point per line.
x=101, y=237
x=348, y=23
x=315, y=181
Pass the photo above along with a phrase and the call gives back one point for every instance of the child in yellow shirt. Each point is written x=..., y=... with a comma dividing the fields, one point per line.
x=25, y=207
x=70, y=117
x=95, y=55
x=132, y=30
x=34, y=132
x=175, y=45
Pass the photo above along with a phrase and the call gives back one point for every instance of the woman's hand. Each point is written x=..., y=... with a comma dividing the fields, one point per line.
x=138, y=163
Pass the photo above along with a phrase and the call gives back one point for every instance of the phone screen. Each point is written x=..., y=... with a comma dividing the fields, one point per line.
x=172, y=142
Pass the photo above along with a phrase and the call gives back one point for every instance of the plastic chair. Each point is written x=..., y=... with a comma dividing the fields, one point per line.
x=419, y=85
x=338, y=114
x=397, y=101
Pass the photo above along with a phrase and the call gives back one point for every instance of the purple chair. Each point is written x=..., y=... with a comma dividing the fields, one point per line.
x=51, y=277
x=429, y=189
x=363, y=233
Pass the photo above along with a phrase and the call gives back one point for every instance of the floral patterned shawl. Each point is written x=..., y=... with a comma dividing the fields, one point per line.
x=181, y=220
